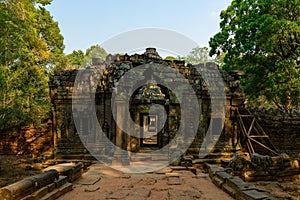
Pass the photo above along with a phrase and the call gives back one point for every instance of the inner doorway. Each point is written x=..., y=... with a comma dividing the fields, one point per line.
x=149, y=136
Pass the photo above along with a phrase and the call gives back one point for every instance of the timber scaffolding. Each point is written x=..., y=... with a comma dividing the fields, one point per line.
x=252, y=136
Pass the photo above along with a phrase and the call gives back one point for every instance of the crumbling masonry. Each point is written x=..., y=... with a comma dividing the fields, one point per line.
x=68, y=144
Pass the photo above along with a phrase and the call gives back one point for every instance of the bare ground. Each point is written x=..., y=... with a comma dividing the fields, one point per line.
x=14, y=168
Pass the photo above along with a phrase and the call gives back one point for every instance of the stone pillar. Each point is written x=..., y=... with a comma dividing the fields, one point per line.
x=120, y=157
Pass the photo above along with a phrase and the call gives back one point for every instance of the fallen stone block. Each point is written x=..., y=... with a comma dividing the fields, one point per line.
x=51, y=187
x=40, y=193
x=231, y=191
x=71, y=170
x=217, y=181
x=60, y=181
x=223, y=175
x=212, y=169
x=28, y=185
x=234, y=185
x=17, y=190
x=252, y=195
x=178, y=168
x=220, y=178
x=174, y=181
x=44, y=178
x=288, y=173
x=37, y=195
x=58, y=192
x=91, y=188
x=238, y=184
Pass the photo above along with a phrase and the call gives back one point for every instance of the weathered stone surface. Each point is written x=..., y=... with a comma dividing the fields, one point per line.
x=61, y=181
x=91, y=188
x=40, y=193
x=115, y=187
x=141, y=193
x=251, y=195
x=217, y=181
x=237, y=184
x=223, y=175
x=28, y=185
x=88, y=179
x=67, y=142
x=58, y=192
x=71, y=170
x=184, y=194
x=17, y=190
x=148, y=181
x=282, y=126
x=212, y=169
x=174, y=181
x=117, y=194
x=264, y=168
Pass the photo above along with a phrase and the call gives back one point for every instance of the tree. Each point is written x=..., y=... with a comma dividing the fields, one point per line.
x=30, y=42
x=262, y=38
x=200, y=55
x=95, y=51
x=50, y=33
x=75, y=59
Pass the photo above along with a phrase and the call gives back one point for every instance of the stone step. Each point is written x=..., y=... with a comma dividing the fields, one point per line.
x=149, y=156
x=137, y=157
x=156, y=157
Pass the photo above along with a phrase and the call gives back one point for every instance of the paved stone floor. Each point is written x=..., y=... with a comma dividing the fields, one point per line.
x=101, y=182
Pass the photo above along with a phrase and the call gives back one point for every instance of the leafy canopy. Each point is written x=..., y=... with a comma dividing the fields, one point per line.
x=262, y=38
x=79, y=59
x=201, y=55
x=30, y=43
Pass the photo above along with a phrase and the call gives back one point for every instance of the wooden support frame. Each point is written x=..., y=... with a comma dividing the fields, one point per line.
x=254, y=132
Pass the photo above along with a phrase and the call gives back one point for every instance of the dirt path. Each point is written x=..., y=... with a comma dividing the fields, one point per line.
x=101, y=182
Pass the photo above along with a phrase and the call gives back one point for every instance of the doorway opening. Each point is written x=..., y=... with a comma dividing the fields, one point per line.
x=149, y=135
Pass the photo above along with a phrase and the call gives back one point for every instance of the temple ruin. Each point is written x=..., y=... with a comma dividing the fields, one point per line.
x=68, y=144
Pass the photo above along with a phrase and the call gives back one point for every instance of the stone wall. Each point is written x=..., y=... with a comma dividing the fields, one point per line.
x=282, y=126
x=28, y=140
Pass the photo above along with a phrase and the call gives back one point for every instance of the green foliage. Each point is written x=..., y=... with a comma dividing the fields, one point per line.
x=171, y=58
x=79, y=59
x=75, y=59
x=262, y=38
x=50, y=32
x=200, y=55
x=30, y=42
x=95, y=51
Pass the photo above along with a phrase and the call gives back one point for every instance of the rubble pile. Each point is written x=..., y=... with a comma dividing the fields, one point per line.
x=265, y=168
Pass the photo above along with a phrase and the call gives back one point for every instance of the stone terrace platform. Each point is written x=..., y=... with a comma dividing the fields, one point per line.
x=101, y=182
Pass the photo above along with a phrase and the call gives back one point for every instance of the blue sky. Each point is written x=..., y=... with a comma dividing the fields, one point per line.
x=87, y=22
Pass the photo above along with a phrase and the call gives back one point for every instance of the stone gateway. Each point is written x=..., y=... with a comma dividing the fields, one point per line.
x=68, y=144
